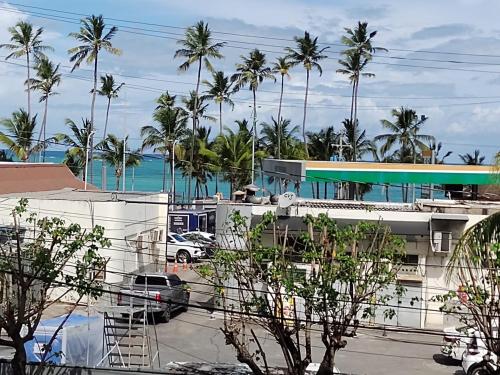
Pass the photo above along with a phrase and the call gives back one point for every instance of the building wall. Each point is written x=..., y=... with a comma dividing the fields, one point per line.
x=426, y=280
x=122, y=221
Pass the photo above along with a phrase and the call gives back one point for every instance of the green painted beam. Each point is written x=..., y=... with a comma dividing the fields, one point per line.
x=381, y=177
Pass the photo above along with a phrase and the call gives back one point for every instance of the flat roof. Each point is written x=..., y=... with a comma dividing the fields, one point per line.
x=80, y=195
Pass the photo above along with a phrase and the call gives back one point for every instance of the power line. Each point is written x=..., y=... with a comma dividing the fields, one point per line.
x=183, y=28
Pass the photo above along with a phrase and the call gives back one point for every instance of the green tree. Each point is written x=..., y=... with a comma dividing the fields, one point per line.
x=280, y=134
x=474, y=266
x=281, y=66
x=350, y=267
x=112, y=150
x=358, y=54
x=405, y=132
x=220, y=91
x=171, y=127
x=25, y=41
x=57, y=255
x=110, y=90
x=75, y=155
x=197, y=48
x=20, y=135
x=359, y=144
x=307, y=53
x=472, y=159
x=232, y=153
x=252, y=72
x=94, y=38
x=47, y=77
x=322, y=147
x=4, y=156
x=165, y=100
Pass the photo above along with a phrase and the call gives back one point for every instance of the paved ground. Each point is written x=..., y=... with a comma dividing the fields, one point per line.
x=195, y=336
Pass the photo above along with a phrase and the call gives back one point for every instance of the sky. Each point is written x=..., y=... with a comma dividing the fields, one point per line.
x=455, y=82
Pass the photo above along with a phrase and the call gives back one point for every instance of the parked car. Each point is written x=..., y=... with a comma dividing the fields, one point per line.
x=477, y=359
x=159, y=293
x=183, y=250
x=455, y=341
x=203, y=239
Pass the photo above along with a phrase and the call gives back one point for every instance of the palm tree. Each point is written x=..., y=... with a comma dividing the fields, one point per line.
x=358, y=54
x=308, y=54
x=171, y=127
x=278, y=133
x=165, y=100
x=281, y=66
x=232, y=152
x=94, y=38
x=405, y=131
x=252, y=72
x=109, y=90
x=198, y=47
x=472, y=159
x=436, y=149
x=4, y=156
x=358, y=144
x=201, y=107
x=19, y=136
x=322, y=144
x=47, y=78
x=220, y=91
x=75, y=156
x=26, y=41
x=112, y=150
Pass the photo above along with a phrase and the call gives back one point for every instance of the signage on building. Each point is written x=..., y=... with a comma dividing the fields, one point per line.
x=179, y=223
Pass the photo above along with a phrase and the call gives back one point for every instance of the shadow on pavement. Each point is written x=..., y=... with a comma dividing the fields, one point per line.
x=445, y=360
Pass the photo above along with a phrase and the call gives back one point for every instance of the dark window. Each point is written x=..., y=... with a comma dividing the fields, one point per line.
x=151, y=280
x=410, y=259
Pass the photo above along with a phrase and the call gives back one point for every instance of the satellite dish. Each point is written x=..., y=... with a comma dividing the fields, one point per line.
x=287, y=199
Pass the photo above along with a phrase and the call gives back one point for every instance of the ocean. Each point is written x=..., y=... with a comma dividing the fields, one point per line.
x=148, y=178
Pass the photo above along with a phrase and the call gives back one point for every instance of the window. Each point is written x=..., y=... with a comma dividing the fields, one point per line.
x=174, y=280
x=151, y=280
x=98, y=275
x=410, y=259
x=178, y=238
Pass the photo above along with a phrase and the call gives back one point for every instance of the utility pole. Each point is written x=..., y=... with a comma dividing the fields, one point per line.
x=341, y=146
x=86, y=174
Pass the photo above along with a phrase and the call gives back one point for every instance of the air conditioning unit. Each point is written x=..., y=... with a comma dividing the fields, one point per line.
x=441, y=241
x=139, y=243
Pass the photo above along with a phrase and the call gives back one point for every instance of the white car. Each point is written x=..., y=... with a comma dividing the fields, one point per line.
x=455, y=341
x=199, y=235
x=183, y=250
x=476, y=359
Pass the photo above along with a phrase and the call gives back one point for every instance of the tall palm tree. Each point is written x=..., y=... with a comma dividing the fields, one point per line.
x=192, y=101
x=358, y=54
x=94, y=38
x=281, y=66
x=110, y=90
x=472, y=159
x=171, y=127
x=405, y=132
x=220, y=91
x=48, y=77
x=308, y=54
x=20, y=135
x=112, y=150
x=358, y=144
x=75, y=156
x=197, y=47
x=252, y=72
x=26, y=41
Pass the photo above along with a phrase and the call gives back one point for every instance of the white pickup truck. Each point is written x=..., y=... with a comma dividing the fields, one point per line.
x=183, y=250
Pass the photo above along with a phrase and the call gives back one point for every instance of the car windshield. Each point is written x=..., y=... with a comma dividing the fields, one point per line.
x=178, y=238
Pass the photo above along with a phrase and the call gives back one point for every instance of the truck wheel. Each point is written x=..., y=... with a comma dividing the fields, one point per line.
x=166, y=314
x=183, y=255
x=479, y=370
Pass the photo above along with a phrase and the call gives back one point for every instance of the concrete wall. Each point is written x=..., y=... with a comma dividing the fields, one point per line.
x=122, y=221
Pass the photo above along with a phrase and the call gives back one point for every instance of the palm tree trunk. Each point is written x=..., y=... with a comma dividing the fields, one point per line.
x=92, y=108
x=29, y=88
x=326, y=190
x=220, y=118
x=312, y=190
x=254, y=132
x=352, y=100
x=305, y=113
x=279, y=116
x=117, y=183
x=193, y=136
x=317, y=189
x=107, y=116
x=355, y=123
x=44, y=125
x=164, y=173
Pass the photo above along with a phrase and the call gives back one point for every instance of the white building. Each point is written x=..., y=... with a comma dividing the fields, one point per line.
x=431, y=229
